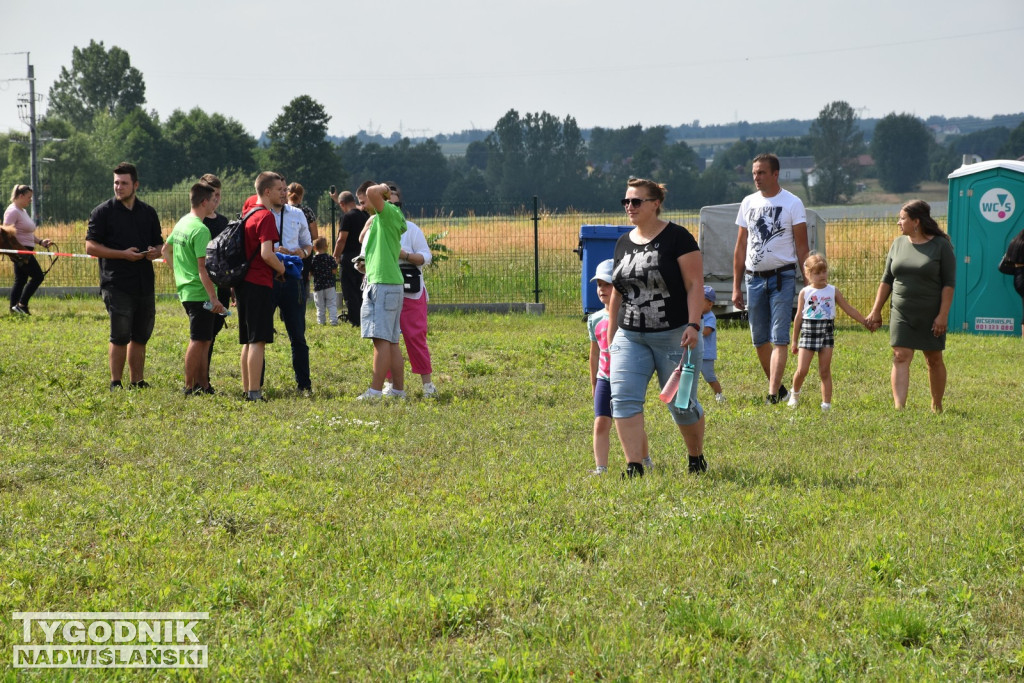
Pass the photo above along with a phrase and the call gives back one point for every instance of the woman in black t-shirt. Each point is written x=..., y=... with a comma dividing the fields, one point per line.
x=654, y=315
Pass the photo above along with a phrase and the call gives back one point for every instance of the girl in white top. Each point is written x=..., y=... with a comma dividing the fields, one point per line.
x=814, y=328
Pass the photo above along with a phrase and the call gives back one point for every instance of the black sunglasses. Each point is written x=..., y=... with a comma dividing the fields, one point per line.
x=636, y=201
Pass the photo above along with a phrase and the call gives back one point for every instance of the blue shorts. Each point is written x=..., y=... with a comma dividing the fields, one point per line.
x=381, y=312
x=603, y=398
x=707, y=370
x=770, y=307
x=635, y=357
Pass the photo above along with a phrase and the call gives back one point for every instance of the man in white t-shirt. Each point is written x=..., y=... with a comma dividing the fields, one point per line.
x=771, y=242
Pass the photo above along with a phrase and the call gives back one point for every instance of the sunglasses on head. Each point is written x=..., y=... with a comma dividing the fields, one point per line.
x=636, y=201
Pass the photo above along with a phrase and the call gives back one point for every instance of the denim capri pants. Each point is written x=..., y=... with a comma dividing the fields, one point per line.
x=636, y=356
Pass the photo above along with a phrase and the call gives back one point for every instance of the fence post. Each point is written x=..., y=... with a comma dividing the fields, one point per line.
x=334, y=235
x=536, y=252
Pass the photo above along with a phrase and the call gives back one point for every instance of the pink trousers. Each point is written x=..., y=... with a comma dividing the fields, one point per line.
x=414, y=331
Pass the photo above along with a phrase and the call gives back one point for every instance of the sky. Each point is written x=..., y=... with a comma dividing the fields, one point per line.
x=423, y=67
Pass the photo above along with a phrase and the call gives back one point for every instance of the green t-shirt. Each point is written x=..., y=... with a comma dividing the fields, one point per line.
x=383, y=244
x=189, y=239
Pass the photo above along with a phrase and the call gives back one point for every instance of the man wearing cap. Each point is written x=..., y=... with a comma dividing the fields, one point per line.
x=709, y=329
x=771, y=239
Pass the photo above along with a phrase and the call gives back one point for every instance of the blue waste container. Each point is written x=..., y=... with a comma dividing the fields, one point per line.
x=984, y=215
x=597, y=243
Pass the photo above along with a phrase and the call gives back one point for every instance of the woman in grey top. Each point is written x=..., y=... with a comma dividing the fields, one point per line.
x=920, y=273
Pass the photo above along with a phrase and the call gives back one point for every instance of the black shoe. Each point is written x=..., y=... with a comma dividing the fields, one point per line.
x=633, y=469
x=783, y=394
x=191, y=391
x=697, y=464
x=115, y=385
x=20, y=310
x=771, y=399
x=209, y=391
x=261, y=399
x=141, y=384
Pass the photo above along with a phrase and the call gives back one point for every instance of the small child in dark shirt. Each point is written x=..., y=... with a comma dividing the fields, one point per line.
x=324, y=267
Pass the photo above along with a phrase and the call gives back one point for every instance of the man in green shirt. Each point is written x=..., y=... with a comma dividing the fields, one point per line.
x=185, y=249
x=383, y=294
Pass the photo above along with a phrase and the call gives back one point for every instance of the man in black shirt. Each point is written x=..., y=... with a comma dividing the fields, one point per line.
x=347, y=248
x=124, y=234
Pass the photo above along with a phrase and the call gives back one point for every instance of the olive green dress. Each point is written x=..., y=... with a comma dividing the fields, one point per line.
x=917, y=273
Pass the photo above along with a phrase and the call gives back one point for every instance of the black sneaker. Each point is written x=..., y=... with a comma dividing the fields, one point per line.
x=697, y=464
x=18, y=309
x=141, y=384
x=115, y=385
x=209, y=391
x=633, y=469
x=771, y=399
x=783, y=394
x=191, y=391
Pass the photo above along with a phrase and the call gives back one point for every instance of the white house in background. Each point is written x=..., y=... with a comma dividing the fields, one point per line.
x=792, y=169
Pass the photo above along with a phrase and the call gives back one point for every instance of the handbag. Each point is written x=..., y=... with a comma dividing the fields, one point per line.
x=410, y=278
x=1006, y=266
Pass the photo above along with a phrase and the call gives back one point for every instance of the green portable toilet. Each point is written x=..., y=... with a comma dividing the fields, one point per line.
x=984, y=215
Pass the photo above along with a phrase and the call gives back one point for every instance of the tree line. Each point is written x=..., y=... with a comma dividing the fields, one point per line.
x=96, y=117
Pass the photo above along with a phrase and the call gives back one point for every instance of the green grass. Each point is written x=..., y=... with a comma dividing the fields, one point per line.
x=462, y=538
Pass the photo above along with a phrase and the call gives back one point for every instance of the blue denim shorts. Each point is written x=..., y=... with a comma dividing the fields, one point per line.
x=636, y=357
x=381, y=312
x=770, y=307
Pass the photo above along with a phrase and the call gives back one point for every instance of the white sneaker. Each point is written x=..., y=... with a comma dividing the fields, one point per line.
x=794, y=399
x=387, y=388
x=369, y=395
x=648, y=463
x=825, y=407
x=396, y=394
x=720, y=398
x=597, y=471
x=429, y=390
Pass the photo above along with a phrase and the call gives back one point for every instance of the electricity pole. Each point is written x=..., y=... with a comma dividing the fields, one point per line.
x=27, y=114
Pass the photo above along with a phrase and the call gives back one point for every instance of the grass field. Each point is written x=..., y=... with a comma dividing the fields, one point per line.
x=462, y=538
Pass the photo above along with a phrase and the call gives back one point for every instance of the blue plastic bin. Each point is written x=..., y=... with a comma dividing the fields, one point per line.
x=597, y=243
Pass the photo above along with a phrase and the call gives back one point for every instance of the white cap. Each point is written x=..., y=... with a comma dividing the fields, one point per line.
x=604, y=271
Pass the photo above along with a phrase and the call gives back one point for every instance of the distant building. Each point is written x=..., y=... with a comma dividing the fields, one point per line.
x=793, y=168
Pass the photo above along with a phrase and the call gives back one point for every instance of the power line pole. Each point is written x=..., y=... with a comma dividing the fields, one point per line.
x=27, y=114
x=34, y=146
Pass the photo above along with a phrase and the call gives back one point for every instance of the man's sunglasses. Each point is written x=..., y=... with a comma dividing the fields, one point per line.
x=635, y=202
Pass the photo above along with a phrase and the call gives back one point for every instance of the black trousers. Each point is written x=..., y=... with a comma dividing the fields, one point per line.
x=351, y=288
x=27, y=278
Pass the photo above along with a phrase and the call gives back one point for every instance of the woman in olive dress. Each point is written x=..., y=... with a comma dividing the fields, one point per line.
x=920, y=273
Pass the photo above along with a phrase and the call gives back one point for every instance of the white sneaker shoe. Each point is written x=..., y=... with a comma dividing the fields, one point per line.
x=648, y=463
x=396, y=394
x=387, y=388
x=369, y=395
x=720, y=398
x=825, y=407
x=794, y=399
x=429, y=390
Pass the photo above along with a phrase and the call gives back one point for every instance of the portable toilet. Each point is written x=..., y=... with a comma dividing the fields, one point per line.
x=597, y=243
x=983, y=217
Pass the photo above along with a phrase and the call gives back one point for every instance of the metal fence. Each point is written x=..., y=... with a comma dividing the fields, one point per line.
x=505, y=254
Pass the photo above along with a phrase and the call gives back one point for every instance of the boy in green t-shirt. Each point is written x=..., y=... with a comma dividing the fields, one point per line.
x=185, y=249
x=383, y=292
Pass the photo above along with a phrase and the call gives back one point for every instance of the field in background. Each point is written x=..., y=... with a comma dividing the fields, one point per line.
x=462, y=538
x=490, y=259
